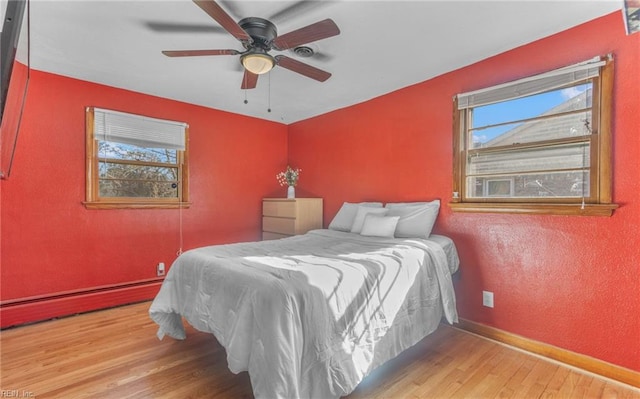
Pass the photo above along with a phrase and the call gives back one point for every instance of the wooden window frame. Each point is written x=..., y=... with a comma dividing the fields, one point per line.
x=599, y=203
x=93, y=199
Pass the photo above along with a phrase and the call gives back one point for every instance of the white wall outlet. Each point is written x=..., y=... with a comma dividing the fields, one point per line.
x=487, y=299
x=160, y=269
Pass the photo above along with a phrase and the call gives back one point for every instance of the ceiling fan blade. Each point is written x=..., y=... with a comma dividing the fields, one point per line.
x=193, y=53
x=232, y=8
x=249, y=80
x=302, y=68
x=296, y=9
x=322, y=57
x=166, y=27
x=311, y=33
x=216, y=12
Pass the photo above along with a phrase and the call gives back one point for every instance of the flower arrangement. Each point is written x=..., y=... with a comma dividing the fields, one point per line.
x=289, y=177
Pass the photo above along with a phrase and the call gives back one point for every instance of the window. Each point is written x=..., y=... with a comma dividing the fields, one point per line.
x=135, y=161
x=537, y=145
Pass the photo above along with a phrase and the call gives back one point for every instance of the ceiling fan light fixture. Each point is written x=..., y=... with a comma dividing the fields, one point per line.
x=258, y=63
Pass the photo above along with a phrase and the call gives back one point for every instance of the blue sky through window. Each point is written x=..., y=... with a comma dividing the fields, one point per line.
x=521, y=108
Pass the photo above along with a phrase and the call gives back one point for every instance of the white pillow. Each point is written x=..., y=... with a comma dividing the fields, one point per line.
x=362, y=212
x=379, y=226
x=347, y=213
x=416, y=219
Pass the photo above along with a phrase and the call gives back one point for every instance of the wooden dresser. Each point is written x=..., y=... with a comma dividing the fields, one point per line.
x=283, y=217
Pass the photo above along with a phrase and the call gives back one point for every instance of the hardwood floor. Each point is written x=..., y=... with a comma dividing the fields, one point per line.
x=115, y=354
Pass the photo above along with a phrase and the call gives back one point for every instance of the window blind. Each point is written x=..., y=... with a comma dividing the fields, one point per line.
x=138, y=130
x=531, y=85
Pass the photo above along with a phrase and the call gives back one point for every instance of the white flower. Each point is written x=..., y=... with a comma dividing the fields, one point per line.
x=289, y=177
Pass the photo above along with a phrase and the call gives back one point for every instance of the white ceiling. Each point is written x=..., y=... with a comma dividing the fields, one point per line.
x=383, y=46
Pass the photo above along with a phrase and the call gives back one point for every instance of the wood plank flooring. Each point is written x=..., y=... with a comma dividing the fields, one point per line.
x=114, y=353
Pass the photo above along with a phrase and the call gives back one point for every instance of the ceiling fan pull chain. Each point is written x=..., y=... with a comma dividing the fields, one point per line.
x=269, y=94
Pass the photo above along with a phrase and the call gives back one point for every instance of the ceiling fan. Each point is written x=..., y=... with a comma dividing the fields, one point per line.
x=259, y=36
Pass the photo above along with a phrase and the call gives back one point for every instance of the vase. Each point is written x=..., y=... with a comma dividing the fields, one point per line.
x=291, y=192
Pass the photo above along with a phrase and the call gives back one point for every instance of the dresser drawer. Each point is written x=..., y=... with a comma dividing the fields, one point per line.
x=283, y=217
x=279, y=208
x=279, y=225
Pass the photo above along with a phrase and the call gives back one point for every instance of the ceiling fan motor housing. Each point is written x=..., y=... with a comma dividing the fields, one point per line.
x=262, y=32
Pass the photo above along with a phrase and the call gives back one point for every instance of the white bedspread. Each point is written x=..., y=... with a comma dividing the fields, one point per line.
x=310, y=316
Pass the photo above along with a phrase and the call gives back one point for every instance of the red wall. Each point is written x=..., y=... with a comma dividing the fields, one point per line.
x=52, y=243
x=572, y=282
x=568, y=281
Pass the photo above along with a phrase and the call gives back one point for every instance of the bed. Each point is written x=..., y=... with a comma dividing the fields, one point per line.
x=310, y=316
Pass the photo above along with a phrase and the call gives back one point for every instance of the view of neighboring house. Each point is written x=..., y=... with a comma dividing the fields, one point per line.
x=538, y=171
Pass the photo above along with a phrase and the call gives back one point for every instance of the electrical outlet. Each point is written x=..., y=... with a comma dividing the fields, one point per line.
x=487, y=299
x=160, y=269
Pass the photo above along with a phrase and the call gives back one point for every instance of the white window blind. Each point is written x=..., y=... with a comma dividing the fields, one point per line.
x=531, y=85
x=138, y=130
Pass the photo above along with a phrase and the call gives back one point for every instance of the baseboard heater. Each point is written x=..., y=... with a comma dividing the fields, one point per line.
x=20, y=311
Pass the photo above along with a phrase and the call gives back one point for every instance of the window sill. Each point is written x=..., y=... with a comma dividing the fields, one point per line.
x=535, y=209
x=136, y=205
